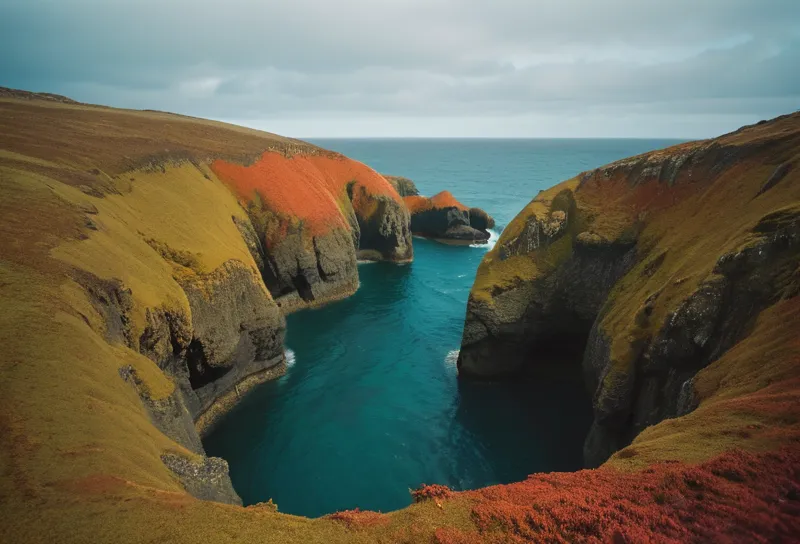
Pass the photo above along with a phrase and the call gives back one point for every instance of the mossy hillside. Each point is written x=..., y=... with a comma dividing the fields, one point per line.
x=180, y=213
x=309, y=188
x=748, y=399
x=93, y=145
x=512, y=262
x=684, y=208
x=687, y=243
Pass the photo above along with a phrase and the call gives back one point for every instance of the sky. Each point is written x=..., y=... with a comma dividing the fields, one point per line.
x=419, y=68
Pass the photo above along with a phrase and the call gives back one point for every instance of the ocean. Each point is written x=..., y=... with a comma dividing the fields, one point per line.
x=371, y=405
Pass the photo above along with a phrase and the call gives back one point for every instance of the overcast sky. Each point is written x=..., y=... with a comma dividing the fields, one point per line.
x=491, y=68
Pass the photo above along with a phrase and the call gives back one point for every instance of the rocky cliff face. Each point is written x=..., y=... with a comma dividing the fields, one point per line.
x=313, y=216
x=444, y=218
x=654, y=267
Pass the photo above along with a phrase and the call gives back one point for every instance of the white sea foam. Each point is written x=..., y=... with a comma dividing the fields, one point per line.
x=493, y=237
x=451, y=358
x=290, y=358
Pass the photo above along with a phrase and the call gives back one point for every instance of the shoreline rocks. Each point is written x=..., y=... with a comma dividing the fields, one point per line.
x=445, y=219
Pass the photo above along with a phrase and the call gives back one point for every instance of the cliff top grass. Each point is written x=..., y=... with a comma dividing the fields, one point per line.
x=496, y=274
x=93, y=144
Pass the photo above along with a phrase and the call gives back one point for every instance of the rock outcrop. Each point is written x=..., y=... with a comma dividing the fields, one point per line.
x=649, y=271
x=403, y=186
x=314, y=215
x=445, y=219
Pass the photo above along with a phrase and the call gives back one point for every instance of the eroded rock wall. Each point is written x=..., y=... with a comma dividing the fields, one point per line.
x=313, y=217
x=634, y=262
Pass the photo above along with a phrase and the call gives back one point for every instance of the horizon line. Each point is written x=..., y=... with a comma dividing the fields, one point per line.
x=684, y=139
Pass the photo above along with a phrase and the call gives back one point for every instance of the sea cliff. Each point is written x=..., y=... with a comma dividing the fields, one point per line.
x=668, y=272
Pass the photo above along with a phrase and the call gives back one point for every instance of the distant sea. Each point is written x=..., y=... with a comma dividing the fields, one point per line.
x=370, y=405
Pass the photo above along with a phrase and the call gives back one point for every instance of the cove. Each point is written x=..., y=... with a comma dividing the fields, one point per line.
x=371, y=405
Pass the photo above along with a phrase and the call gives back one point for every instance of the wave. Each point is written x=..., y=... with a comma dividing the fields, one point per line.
x=493, y=237
x=290, y=357
x=451, y=359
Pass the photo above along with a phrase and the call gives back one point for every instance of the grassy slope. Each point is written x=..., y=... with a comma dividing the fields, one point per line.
x=79, y=457
x=86, y=187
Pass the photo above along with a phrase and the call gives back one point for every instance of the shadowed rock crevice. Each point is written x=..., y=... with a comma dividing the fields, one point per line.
x=303, y=288
x=200, y=372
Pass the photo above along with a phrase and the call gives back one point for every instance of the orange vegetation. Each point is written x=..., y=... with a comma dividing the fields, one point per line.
x=445, y=199
x=307, y=187
x=434, y=491
x=735, y=497
x=416, y=204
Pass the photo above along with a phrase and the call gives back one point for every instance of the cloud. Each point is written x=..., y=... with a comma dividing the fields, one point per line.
x=580, y=63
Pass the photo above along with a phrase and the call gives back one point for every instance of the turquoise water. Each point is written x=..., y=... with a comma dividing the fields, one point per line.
x=371, y=405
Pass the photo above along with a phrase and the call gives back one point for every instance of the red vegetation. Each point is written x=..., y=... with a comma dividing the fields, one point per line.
x=416, y=204
x=435, y=491
x=736, y=497
x=359, y=518
x=306, y=187
x=445, y=199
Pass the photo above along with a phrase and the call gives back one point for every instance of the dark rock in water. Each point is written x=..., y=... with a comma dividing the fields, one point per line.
x=445, y=218
x=480, y=220
x=466, y=233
